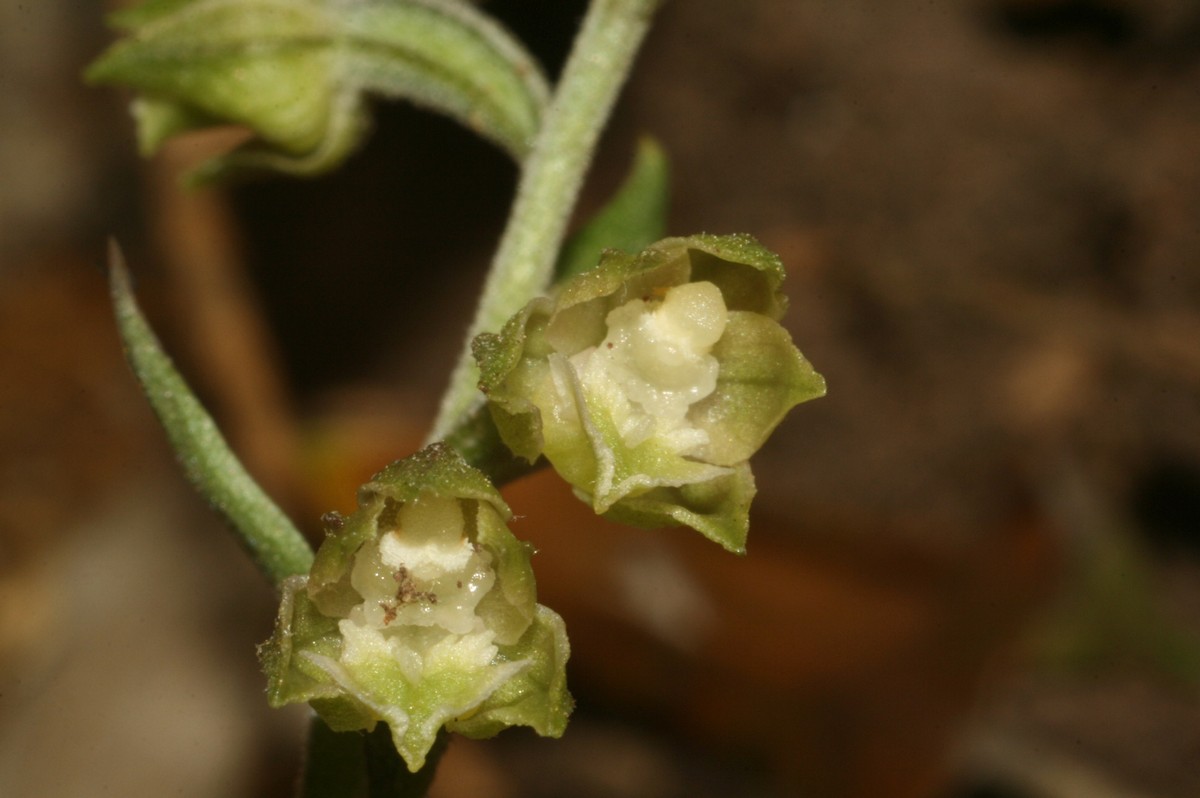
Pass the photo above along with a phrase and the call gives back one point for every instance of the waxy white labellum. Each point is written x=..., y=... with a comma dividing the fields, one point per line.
x=655, y=363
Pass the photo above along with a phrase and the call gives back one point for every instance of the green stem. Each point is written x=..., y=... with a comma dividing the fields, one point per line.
x=335, y=766
x=387, y=775
x=599, y=62
x=478, y=441
x=363, y=765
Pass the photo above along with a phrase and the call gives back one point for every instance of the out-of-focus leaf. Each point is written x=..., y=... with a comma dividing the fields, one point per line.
x=634, y=218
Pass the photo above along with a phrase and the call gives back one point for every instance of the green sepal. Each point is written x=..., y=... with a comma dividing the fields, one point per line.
x=299, y=626
x=718, y=508
x=634, y=217
x=208, y=462
x=537, y=697
x=297, y=72
x=540, y=407
x=515, y=358
x=763, y=376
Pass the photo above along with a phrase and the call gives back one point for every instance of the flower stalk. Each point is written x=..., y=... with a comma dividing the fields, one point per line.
x=552, y=174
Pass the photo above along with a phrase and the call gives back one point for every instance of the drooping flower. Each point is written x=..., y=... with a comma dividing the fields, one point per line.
x=650, y=380
x=298, y=74
x=420, y=611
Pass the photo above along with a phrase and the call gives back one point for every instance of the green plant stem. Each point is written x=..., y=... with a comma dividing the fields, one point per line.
x=600, y=60
x=334, y=765
x=478, y=441
x=387, y=775
x=355, y=764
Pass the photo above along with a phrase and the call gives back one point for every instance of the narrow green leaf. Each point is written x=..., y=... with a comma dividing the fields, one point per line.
x=209, y=464
x=634, y=217
x=298, y=72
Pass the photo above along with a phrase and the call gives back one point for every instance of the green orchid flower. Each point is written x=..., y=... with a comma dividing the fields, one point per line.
x=420, y=611
x=650, y=380
x=300, y=74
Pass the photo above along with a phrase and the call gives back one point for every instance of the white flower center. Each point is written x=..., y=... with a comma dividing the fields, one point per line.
x=655, y=363
x=421, y=582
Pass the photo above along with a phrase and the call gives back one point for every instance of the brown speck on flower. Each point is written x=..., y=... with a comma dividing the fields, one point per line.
x=406, y=589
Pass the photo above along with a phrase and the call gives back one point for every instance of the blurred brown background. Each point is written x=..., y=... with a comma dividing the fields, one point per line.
x=974, y=567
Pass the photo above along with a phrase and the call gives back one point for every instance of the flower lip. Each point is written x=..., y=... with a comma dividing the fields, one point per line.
x=425, y=572
x=655, y=363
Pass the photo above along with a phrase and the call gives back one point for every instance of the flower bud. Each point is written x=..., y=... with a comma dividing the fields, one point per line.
x=650, y=380
x=420, y=611
x=298, y=74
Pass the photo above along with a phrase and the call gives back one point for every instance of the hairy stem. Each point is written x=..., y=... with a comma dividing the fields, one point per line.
x=600, y=60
